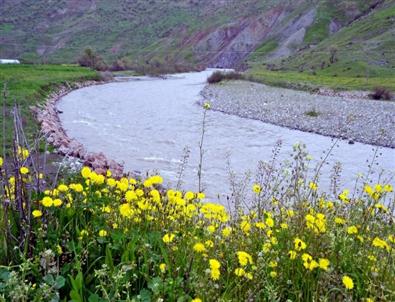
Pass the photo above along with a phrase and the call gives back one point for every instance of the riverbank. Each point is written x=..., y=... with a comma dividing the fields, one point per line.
x=354, y=119
x=53, y=131
x=29, y=85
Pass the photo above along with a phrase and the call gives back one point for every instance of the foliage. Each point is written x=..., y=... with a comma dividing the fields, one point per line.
x=92, y=60
x=306, y=81
x=29, y=85
x=219, y=76
x=380, y=93
x=96, y=238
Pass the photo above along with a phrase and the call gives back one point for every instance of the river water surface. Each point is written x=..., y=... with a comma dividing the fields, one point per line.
x=147, y=122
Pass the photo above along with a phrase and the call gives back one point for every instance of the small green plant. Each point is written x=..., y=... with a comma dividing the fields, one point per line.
x=312, y=113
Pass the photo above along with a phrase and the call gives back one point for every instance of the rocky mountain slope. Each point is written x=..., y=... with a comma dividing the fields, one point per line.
x=220, y=33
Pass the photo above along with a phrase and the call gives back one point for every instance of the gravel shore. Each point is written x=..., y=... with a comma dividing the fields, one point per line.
x=360, y=120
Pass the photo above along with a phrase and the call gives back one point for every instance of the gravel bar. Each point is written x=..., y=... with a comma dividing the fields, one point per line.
x=361, y=120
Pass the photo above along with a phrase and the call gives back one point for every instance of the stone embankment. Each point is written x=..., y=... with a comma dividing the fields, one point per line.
x=347, y=115
x=52, y=129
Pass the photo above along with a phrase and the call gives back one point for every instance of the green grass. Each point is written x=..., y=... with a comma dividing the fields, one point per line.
x=299, y=80
x=28, y=85
x=264, y=49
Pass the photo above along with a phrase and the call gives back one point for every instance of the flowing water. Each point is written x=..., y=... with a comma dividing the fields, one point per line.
x=146, y=123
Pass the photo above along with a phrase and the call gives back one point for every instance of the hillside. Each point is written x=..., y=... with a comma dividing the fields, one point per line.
x=198, y=33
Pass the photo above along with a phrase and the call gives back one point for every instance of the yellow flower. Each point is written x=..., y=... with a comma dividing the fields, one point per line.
x=106, y=209
x=211, y=229
x=313, y=186
x=199, y=247
x=162, y=267
x=206, y=106
x=244, y=258
x=323, y=264
x=339, y=220
x=1, y=161
x=299, y=244
x=292, y=255
x=266, y=247
x=168, y=238
x=108, y=173
x=189, y=196
x=196, y=300
x=387, y=188
x=256, y=188
x=24, y=170
x=377, y=242
x=344, y=196
x=273, y=264
x=57, y=202
x=226, y=232
x=352, y=230
x=125, y=210
x=240, y=272
x=86, y=172
x=37, y=213
x=103, y=233
x=59, y=249
x=273, y=274
x=214, y=269
x=209, y=243
x=245, y=226
x=63, y=188
x=284, y=226
x=348, y=283
x=200, y=195
x=47, y=202
x=130, y=195
x=290, y=213
x=269, y=222
x=83, y=233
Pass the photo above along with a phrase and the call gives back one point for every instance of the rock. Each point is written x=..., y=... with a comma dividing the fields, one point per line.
x=55, y=135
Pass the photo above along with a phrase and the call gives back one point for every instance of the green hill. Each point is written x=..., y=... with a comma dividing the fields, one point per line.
x=326, y=37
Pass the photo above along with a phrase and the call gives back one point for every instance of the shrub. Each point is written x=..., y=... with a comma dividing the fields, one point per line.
x=219, y=76
x=381, y=93
x=92, y=60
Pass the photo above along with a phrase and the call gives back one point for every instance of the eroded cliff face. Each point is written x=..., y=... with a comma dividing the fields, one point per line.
x=227, y=46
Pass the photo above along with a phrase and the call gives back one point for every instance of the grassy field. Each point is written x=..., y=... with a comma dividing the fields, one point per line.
x=307, y=81
x=28, y=85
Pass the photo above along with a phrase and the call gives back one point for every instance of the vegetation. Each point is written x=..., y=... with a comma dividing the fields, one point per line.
x=219, y=76
x=358, y=56
x=380, y=93
x=308, y=81
x=96, y=238
x=92, y=60
x=28, y=85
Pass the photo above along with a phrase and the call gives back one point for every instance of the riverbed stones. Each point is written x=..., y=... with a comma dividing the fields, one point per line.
x=347, y=115
x=52, y=129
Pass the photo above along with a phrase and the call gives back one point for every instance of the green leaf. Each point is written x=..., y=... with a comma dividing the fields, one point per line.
x=60, y=282
x=155, y=285
x=109, y=261
x=145, y=295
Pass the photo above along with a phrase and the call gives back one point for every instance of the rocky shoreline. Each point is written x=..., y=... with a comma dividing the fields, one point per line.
x=51, y=128
x=352, y=117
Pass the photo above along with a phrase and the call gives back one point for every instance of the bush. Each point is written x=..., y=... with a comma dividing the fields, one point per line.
x=219, y=76
x=96, y=238
x=381, y=93
x=92, y=60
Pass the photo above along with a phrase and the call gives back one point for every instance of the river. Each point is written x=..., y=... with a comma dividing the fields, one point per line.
x=146, y=123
